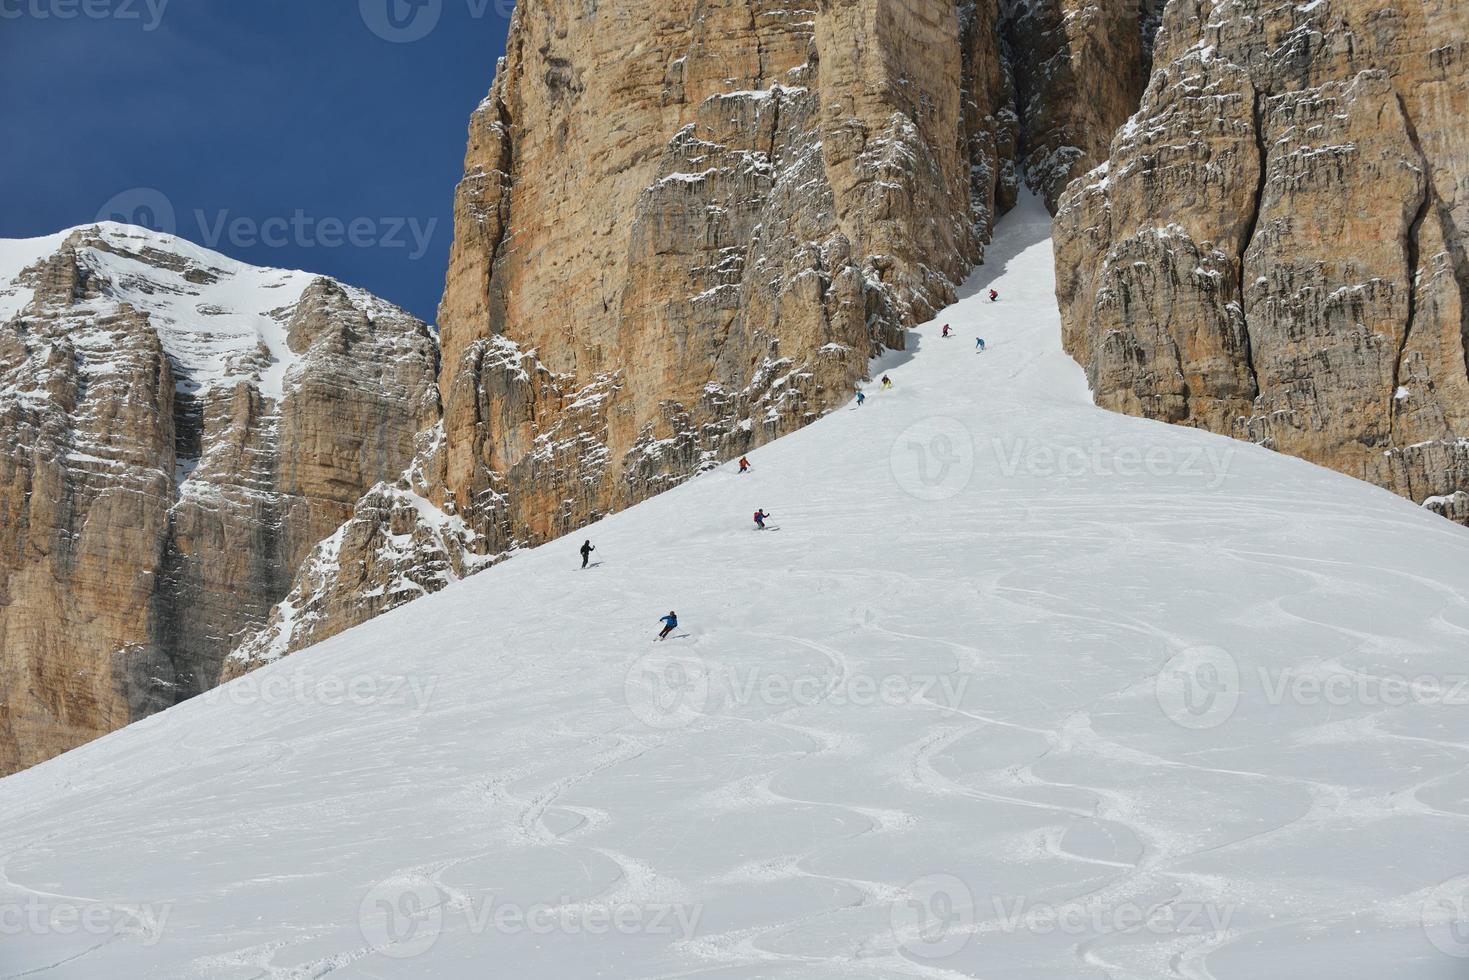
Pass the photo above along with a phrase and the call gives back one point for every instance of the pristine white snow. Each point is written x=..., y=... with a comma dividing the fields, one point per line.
x=1019, y=689
x=17, y=254
x=220, y=320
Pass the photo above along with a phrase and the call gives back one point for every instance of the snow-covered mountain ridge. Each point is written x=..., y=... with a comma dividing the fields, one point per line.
x=1018, y=688
x=221, y=321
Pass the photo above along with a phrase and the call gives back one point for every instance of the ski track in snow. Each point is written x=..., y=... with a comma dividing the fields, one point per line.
x=503, y=754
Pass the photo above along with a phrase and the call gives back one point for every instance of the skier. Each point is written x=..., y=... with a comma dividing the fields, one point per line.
x=946, y=330
x=979, y=345
x=744, y=463
x=886, y=382
x=670, y=623
x=994, y=296
x=586, y=553
x=860, y=399
x=760, y=516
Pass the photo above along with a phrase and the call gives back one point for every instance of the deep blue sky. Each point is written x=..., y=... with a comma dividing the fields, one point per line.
x=283, y=113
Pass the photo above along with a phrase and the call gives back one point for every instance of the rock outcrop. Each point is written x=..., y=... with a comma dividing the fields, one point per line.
x=683, y=230
x=180, y=430
x=397, y=546
x=1275, y=248
x=1080, y=67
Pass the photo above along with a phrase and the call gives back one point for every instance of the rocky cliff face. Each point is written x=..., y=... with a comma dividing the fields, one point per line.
x=706, y=217
x=684, y=229
x=180, y=431
x=1080, y=67
x=1276, y=247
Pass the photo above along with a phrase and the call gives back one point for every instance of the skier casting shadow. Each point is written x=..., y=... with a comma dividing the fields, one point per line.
x=586, y=553
x=670, y=623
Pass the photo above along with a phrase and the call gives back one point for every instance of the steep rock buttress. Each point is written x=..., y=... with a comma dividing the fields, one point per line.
x=682, y=232
x=1275, y=249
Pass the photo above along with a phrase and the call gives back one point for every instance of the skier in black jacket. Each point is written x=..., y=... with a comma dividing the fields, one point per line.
x=586, y=553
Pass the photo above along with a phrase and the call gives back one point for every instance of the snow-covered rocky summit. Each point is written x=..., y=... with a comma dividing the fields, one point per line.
x=180, y=430
x=1019, y=688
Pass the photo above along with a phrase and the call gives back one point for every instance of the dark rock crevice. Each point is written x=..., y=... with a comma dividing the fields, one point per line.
x=1412, y=249
x=1252, y=223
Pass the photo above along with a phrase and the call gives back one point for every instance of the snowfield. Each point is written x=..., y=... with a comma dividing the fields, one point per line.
x=1018, y=689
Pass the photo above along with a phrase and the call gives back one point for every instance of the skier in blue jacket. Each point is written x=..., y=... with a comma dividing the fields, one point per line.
x=670, y=623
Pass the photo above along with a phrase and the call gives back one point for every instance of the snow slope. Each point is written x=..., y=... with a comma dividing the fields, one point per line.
x=1018, y=689
x=16, y=254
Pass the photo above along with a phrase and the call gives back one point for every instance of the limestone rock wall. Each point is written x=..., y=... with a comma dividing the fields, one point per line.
x=685, y=204
x=180, y=430
x=396, y=546
x=683, y=230
x=86, y=483
x=1275, y=248
x=1080, y=67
